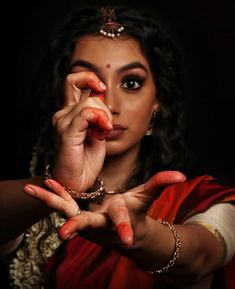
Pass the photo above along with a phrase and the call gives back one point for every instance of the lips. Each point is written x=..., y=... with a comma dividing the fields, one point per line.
x=116, y=132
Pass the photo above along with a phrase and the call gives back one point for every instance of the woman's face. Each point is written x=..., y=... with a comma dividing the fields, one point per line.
x=131, y=91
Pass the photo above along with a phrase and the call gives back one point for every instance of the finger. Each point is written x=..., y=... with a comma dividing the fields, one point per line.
x=80, y=222
x=42, y=194
x=118, y=213
x=99, y=95
x=74, y=127
x=62, y=119
x=98, y=120
x=57, y=188
x=67, y=112
x=158, y=181
x=90, y=93
x=76, y=81
x=163, y=179
x=97, y=100
x=58, y=115
x=85, y=94
x=51, y=199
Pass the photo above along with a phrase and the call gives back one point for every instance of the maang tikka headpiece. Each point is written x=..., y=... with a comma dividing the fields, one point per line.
x=111, y=27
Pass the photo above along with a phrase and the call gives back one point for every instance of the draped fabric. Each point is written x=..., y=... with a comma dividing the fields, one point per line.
x=87, y=265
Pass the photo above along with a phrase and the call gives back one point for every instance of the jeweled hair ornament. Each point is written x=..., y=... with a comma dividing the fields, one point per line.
x=110, y=28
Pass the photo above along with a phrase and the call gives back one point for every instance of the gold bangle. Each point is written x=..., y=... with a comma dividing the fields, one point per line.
x=217, y=234
x=176, y=253
x=95, y=194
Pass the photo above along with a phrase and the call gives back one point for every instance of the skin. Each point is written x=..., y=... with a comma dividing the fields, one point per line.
x=125, y=103
x=115, y=207
x=83, y=127
x=129, y=90
x=125, y=94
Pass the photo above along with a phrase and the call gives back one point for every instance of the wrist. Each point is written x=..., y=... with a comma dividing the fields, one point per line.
x=63, y=176
x=94, y=194
x=171, y=255
x=158, y=249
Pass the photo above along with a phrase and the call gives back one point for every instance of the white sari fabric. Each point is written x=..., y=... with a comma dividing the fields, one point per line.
x=220, y=220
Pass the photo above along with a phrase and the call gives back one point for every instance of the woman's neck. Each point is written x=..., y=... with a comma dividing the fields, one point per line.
x=117, y=169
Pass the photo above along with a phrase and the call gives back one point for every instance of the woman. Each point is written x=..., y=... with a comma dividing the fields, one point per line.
x=120, y=166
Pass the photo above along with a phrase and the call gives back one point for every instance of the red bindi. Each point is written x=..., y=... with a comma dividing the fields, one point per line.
x=108, y=65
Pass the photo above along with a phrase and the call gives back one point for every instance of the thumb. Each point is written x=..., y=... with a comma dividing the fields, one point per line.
x=162, y=179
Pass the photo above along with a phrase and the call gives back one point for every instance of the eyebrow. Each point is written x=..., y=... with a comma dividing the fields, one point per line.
x=132, y=65
x=94, y=68
x=85, y=64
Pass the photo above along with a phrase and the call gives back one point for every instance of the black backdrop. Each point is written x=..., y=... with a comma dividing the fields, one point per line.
x=206, y=30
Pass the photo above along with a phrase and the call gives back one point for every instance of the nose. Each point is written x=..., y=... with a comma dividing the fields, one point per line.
x=111, y=101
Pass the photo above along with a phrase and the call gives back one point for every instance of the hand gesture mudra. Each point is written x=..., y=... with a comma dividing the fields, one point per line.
x=122, y=215
x=81, y=126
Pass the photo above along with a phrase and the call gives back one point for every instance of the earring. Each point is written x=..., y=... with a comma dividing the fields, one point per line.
x=155, y=112
x=150, y=129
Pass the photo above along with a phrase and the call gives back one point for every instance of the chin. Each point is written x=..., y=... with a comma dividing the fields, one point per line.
x=115, y=148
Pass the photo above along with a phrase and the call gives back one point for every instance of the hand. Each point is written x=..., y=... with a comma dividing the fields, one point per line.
x=122, y=215
x=125, y=212
x=57, y=198
x=81, y=127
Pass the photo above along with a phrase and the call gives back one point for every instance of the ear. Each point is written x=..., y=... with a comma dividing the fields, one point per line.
x=156, y=106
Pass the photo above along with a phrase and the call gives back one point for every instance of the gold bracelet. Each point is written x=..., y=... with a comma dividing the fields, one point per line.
x=95, y=194
x=176, y=253
x=217, y=234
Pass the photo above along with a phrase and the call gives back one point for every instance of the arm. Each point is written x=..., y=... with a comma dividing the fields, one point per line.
x=18, y=211
x=74, y=160
x=146, y=241
x=219, y=220
x=200, y=252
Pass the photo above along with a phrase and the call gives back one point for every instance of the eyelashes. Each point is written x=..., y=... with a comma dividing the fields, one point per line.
x=132, y=82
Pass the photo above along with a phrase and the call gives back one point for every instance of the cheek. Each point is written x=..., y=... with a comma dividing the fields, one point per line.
x=139, y=125
x=140, y=106
x=140, y=116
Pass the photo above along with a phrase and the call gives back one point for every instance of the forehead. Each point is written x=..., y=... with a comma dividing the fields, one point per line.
x=101, y=49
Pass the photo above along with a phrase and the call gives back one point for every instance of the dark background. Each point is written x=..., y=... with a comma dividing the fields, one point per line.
x=206, y=31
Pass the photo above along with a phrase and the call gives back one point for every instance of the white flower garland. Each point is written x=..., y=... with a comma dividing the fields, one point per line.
x=26, y=268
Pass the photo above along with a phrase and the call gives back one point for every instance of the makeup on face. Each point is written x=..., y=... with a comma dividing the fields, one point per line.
x=117, y=131
x=131, y=91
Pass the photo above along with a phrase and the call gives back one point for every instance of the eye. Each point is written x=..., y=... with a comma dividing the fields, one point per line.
x=132, y=82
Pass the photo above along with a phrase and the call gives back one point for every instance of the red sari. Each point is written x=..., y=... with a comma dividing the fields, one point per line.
x=87, y=265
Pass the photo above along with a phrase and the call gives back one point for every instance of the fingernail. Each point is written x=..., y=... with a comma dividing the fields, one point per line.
x=48, y=183
x=102, y=85
x=29, y=190
x=73, y=235
x=109, y=123
x=125, y=232
x=66, y=234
